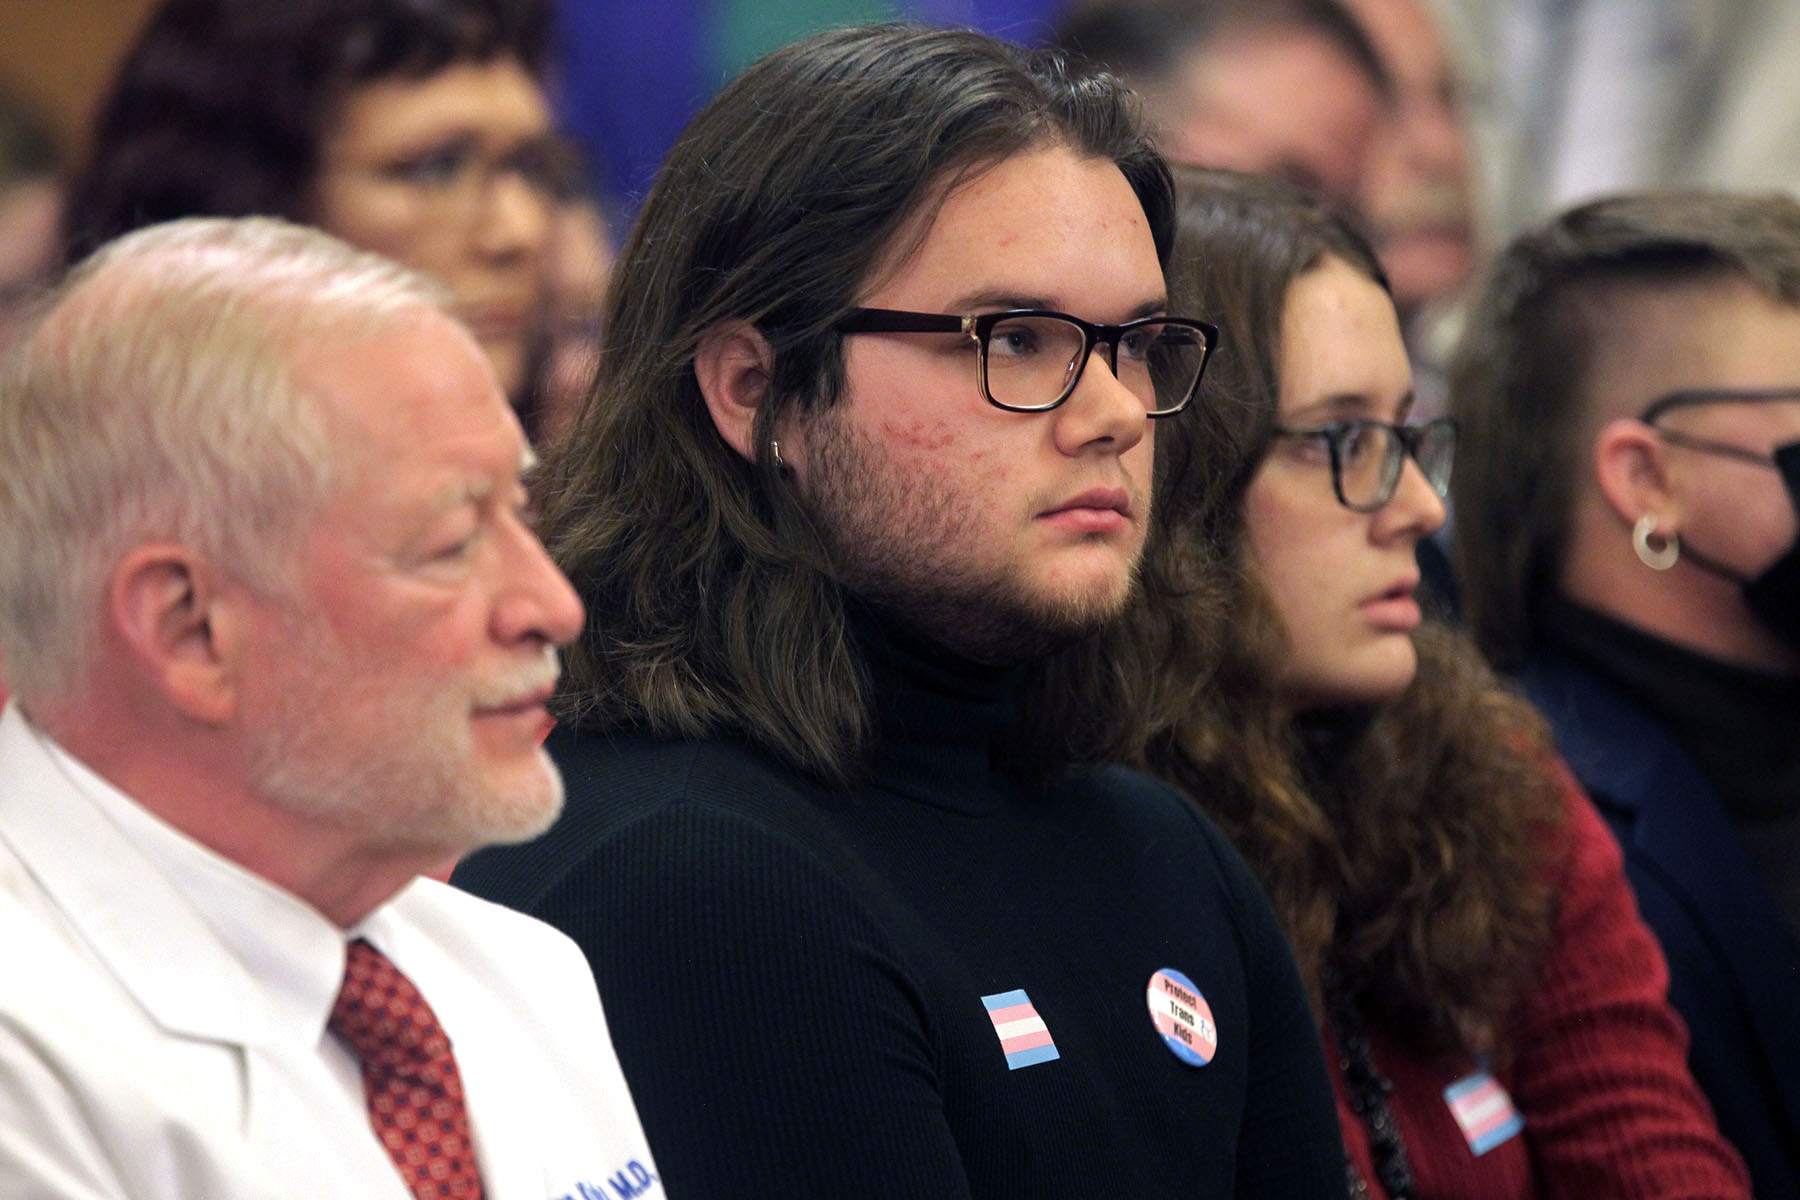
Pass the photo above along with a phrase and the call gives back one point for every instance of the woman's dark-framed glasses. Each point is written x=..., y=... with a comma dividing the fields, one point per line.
x=1030, y=359
x=1368, y=455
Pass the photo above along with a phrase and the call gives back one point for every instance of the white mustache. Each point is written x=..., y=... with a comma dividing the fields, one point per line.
x=528, y=679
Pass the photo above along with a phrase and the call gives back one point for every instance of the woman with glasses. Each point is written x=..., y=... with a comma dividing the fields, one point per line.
x=1492, y=1006
x=415, y=128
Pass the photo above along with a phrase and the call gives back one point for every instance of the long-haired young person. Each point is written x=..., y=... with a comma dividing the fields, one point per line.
x=883, y=364
x=1493, y=1007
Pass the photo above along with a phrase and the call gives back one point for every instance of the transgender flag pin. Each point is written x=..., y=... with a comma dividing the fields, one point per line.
x=1024, y=1038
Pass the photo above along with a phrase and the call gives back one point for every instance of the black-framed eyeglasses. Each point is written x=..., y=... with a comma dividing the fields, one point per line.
x=1030, y=359
x=1367, y=456
x=1697, y=397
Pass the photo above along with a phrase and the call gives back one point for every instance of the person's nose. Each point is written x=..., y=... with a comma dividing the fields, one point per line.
x=1437, y=141
x=535, y=601
x=1415, y=510
x=1101, y=411
x=514, y=222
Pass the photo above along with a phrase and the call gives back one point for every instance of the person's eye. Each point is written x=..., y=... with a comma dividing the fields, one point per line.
x=1358, y=441
x=537, y=165
x=1312, y=449
x=454, y=542
x=1137, y=344
x=438, y=167
x=455, y=551
x=1015, y=339
x=1306, y=445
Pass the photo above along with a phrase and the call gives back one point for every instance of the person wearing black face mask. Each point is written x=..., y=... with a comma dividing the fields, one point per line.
x=1628, y=532
x=1772, y=593
x=1775, y=594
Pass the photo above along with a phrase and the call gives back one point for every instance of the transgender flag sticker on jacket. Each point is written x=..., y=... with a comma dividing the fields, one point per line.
x=1024, y=1038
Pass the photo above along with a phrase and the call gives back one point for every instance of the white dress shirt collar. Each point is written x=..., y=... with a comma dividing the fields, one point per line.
x=279, y=961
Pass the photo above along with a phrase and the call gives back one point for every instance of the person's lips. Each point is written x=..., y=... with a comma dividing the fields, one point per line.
x=1097, y=510
x=535, y=699
x=495, y=322
x=525, y=701
x=1394, y=608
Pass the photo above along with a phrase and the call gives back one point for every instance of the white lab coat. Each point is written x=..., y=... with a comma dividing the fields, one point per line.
x=162, y=1020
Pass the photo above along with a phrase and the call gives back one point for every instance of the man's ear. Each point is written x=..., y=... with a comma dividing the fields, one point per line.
x=733, y=365
x=167, y=611
x=1631, y=467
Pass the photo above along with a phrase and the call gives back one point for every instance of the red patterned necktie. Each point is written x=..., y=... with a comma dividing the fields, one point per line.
x=410, y=1079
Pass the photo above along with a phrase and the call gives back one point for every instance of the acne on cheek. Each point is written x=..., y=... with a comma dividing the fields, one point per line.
x=925, y=435
x=991, y=467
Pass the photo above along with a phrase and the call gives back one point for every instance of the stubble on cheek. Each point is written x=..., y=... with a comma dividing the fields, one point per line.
x=930, y=437
x=922, y=547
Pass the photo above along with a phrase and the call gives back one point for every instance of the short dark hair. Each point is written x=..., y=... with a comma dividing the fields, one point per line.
x=220, y=106
x=710, y=596
x=1519, y=380
x=1145, y=41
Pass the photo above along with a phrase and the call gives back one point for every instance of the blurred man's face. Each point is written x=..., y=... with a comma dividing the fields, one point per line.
x=996, y=533
x=1276, y=101
x=403, y=685
x=1415, y=187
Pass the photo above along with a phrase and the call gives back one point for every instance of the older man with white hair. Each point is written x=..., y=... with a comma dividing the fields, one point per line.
x=279, y=639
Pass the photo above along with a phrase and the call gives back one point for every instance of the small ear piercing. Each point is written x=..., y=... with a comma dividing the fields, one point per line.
x=781, y=467
x=1657, y=558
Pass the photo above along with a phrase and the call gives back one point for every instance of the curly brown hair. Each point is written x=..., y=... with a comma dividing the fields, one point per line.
x=1403, y=844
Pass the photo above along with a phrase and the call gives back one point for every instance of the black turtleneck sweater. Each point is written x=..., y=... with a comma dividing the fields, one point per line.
x=808, y=988
x=1742, y=728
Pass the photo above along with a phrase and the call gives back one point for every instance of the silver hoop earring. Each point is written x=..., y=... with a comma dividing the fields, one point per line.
x=775, y=451
x=1657, y=558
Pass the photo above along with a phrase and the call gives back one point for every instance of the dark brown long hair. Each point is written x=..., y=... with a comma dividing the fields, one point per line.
x=1402, y=843
x=711, y=605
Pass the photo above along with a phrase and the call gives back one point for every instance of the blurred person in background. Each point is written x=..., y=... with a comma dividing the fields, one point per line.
x=1629, y=393
x=1291, y=88
x=1416, y=202
x=1575, y=99
x=415, y=128
x=30, y=197
x=579, y=265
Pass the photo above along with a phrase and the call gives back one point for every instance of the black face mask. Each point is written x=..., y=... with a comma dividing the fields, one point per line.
x=1774, y=595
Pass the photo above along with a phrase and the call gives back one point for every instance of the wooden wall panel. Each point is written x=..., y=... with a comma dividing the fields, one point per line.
x=59, y=54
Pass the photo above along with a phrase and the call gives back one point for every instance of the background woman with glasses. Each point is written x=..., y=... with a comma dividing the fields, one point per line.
x=415, y=128
x=1493, y=1008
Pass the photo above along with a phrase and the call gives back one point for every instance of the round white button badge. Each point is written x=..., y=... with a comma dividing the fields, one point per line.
x=1183, y=1017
